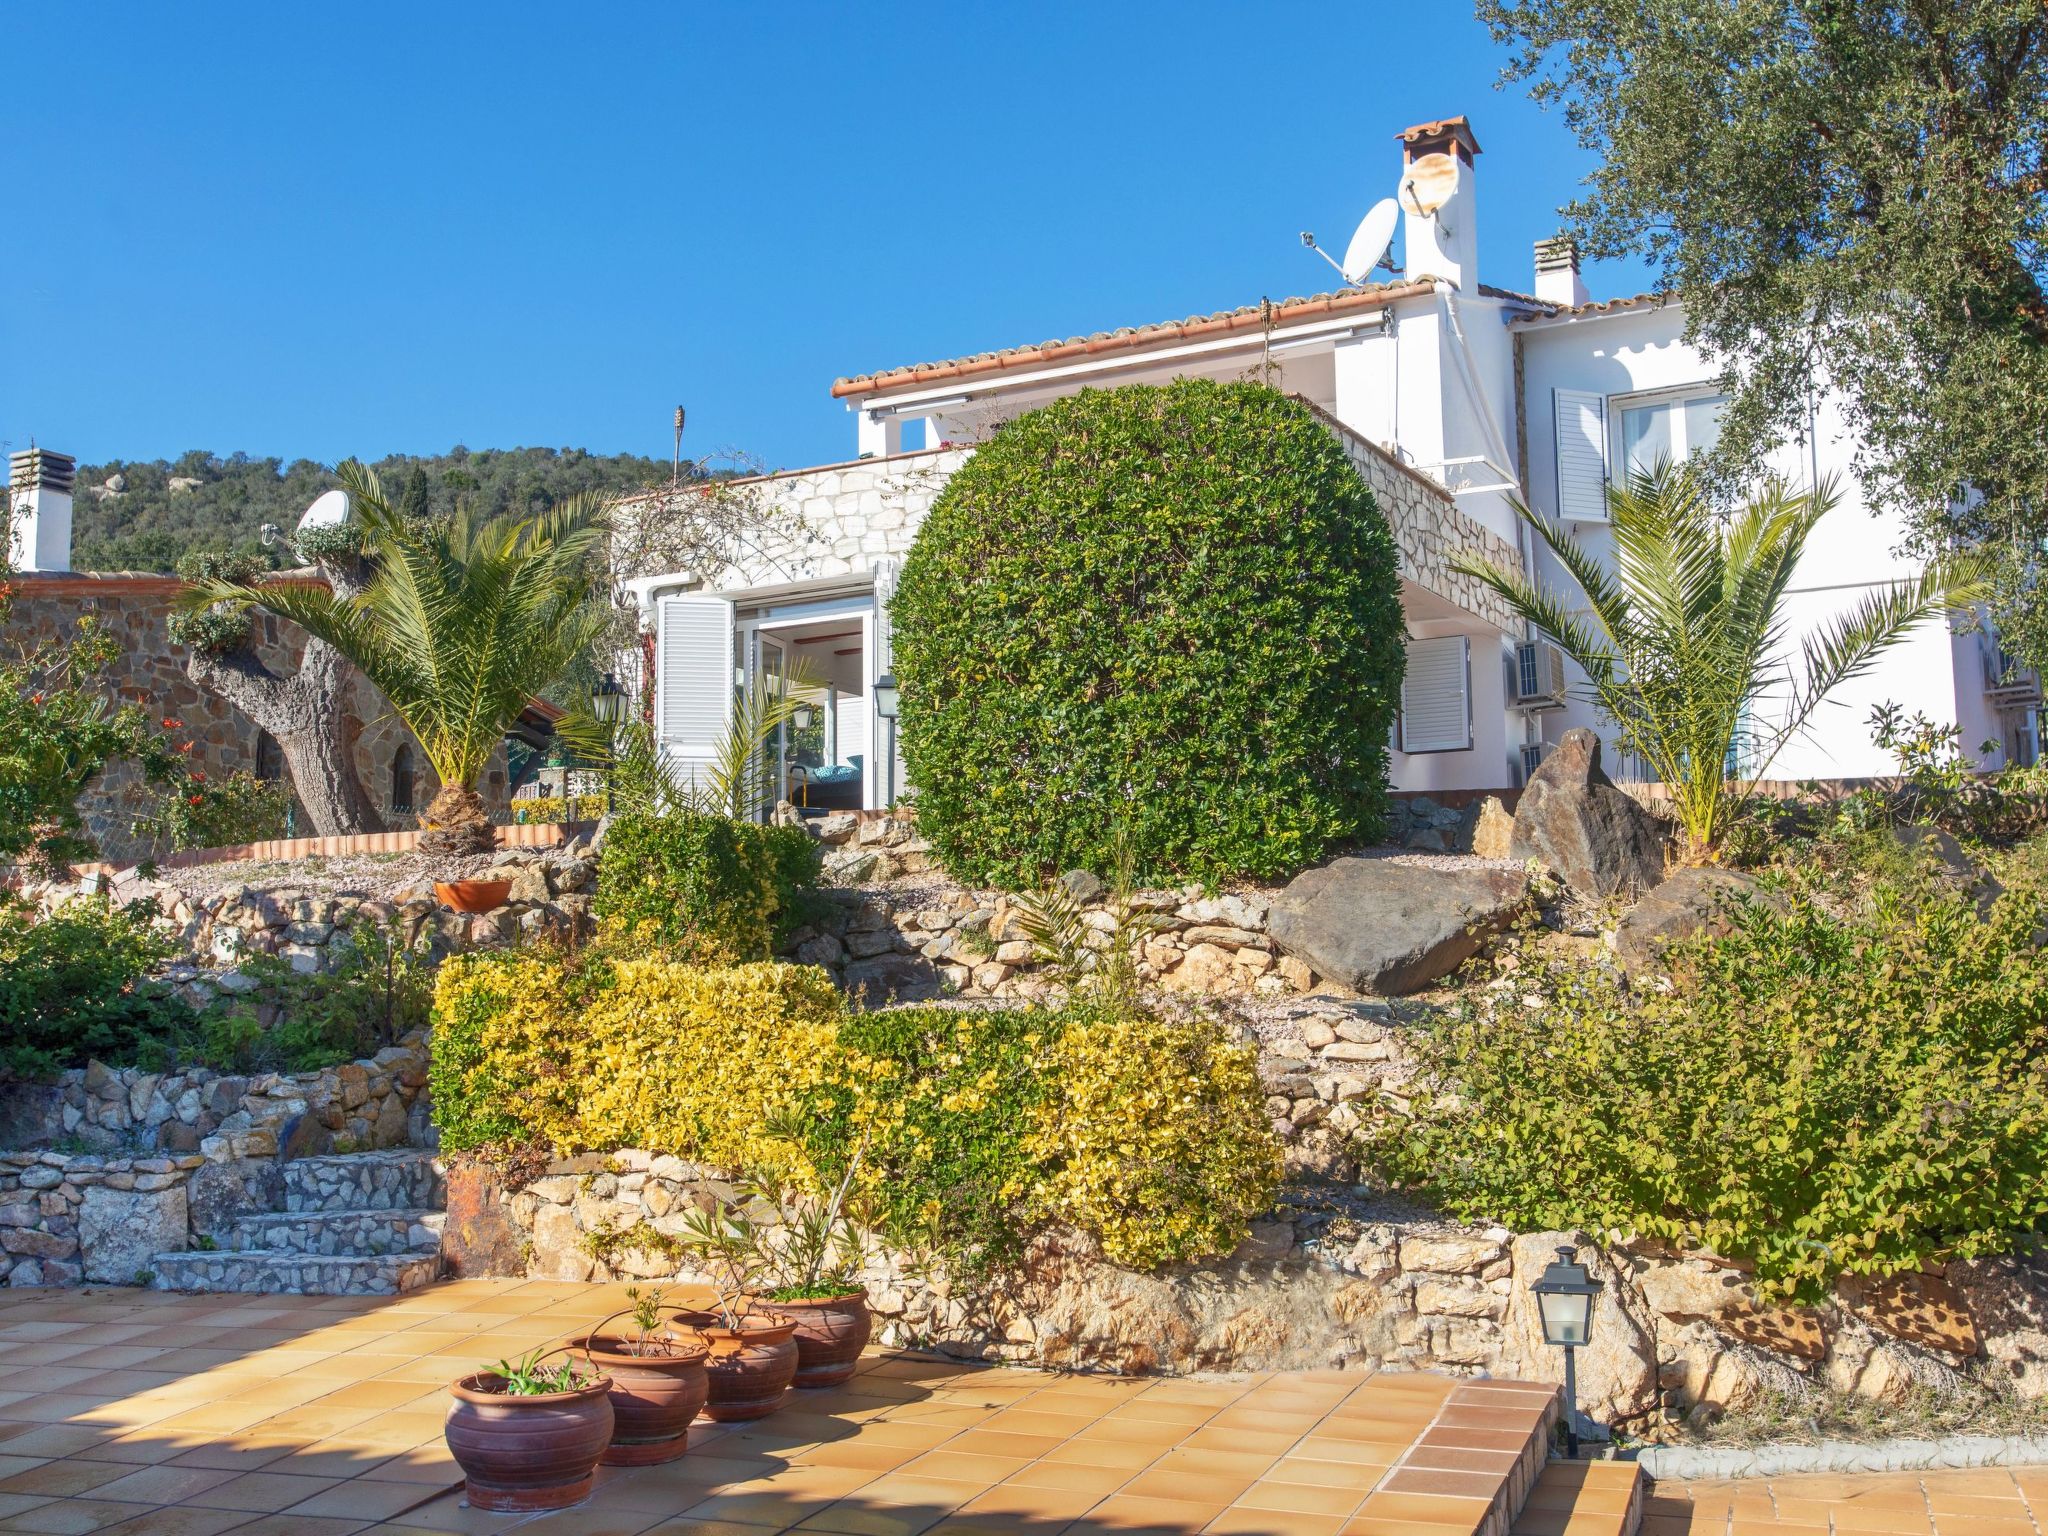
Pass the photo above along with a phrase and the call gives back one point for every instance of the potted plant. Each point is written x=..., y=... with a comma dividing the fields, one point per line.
x=753, y=1347
x=658, y=1379
x=816, y=1280
x=527, y=1435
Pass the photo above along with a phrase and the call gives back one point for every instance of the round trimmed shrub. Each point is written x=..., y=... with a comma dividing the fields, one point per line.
x=1154, y=623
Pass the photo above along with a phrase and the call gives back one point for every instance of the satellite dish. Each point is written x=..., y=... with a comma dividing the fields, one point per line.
x=1429, y=182
x=1375, y=233
x=330, y=509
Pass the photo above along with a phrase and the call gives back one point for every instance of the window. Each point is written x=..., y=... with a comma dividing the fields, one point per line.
x=402, y=777
x=269, y=758
x=1670, y=427
x=1436, y=696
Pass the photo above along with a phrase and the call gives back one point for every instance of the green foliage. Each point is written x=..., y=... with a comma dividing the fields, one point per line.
x=703, y=886
x=238, y=807
x=1682, y=639
x=1940, y=784
x=375, y=993
x=553, y=808
x=217, y=628
x=949, y=1097
x=528, y=1377
x=1840, y=191
x=59, y=729
x=460, y=624
x=70, y=990
x=1167, y=613
x=957, y=1131
x=1838, y=1088
x=151, y=527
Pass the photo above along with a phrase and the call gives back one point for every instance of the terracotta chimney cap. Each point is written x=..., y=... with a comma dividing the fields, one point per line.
x=1437, y=137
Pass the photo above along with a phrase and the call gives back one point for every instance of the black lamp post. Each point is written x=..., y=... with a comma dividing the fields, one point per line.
x=887, y=701
x=608, y=704
x=1565, y=1293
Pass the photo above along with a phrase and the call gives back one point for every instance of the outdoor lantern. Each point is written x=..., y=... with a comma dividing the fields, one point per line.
x=1565, y=1293
x=885, y=696
x=802, y=716
x=608, y=700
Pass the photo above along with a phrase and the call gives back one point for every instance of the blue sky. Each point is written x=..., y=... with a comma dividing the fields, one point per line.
x=323, y=230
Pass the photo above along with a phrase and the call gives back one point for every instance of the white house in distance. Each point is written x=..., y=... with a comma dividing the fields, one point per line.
x=1451, y=395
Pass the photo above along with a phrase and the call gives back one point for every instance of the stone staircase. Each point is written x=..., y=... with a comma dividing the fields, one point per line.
x=353, y=1224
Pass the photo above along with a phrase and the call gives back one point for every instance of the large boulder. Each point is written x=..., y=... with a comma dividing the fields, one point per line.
x=1692, y=901
x=121, y=1231
x=1592, y=835
x=1379, y=926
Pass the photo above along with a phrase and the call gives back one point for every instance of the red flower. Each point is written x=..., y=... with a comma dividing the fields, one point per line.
x=172, y=725
x=195, y=799
x=197, y=776
x=187, y=746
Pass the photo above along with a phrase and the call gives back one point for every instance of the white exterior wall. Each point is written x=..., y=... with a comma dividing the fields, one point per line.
x=1854, y=549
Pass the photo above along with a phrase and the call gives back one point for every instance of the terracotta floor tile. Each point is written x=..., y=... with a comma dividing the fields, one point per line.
x=63, y=1479
x=179, y=1521
x=1301, y=1498
x=1045, y=1505
x=1126, y=1455
x=244, y=1452
x=1210, y=1438
x=589, y=1520
x=943, y=1494
x=1272, y=1522
x=1362, y=1475
x=161, y=1484
x=1248, y=1465
x=1119, y=1513
x=73, y=1517
x=964, y=1466
x=261, y=1493
x=1178, y=1483
x=1425, y=1509
x=855, y=1517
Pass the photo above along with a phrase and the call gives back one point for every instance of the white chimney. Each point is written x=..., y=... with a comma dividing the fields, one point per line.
x=39, y=506
x=1557, y=272
x=1439, y=225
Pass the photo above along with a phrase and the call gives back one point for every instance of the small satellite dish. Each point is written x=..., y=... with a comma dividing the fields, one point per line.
x=330, y=509
x=1375, y=233
x=1429, y=182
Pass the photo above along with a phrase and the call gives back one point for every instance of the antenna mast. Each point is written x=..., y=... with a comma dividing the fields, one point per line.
x=676, y=474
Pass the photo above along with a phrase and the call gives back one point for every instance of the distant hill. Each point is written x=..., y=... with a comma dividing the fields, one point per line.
x=145, y=515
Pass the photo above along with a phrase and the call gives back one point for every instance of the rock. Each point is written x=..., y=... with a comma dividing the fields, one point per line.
x=1921, y=1309
x=1589, y=833
x=480, y=1238
x=1617, y=1369
x=1206, y=970
x=1378, y=926
x=1083, y=886
x=530, y=884
x=1451, y=1253
x=1942, y=854
x=821, y=949
x=1692, y=901
x=1493, y=831
x=120, y=1231
x=837, y=827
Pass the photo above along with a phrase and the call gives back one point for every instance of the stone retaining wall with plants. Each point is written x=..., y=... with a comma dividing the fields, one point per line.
x=119, y=1165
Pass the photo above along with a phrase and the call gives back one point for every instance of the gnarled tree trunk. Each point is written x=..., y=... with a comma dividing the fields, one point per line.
x=307, y=715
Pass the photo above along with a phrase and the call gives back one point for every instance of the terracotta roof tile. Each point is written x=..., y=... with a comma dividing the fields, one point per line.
x=1246, y=317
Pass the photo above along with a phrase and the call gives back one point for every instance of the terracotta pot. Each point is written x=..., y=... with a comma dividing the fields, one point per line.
x=527, y=1453
x=750, y=1367
x=654, y=1397
x=472, y=895
x=831, y=1331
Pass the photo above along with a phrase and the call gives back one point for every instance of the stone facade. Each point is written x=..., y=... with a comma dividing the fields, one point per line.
x=134, y=609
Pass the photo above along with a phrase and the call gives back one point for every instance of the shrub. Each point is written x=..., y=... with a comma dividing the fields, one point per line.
x=973, y=1129
x=499, y=1071
x=703, y=887
x=700, y=1061
x=217, y=628
x=73, y=986
x=944, y=1098
x=375, y=993
x=1152, y=1134
x=1819, y=1092
x=1167, y=613
x=553, y=808
x=217, y=813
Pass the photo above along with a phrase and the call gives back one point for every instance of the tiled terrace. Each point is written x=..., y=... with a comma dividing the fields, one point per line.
x=140, y=1412
x=1984, y=1501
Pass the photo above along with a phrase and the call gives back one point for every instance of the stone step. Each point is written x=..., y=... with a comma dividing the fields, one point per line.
x=402, y=1179
x=257, y=1271
x=341, y=1233
x=1583, y=1498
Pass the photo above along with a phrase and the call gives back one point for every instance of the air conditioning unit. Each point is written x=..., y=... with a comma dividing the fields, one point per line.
x=1533, y=753
x=1539, y=675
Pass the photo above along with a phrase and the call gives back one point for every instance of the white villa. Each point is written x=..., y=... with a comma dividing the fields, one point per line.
x=1450, y=394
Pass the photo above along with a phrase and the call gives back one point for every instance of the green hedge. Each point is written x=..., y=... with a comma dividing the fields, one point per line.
x=1844, y=1087
x=74, y=987
x=703, y=887
x=1165, y=620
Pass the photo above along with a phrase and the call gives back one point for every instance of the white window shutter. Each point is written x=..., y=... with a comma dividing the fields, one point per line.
x=1581, y=418
x=886, y=571
x=693, y=680
x=1436, y=696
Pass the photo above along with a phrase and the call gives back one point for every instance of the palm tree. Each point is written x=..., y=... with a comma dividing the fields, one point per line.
x=459, y=624
x=1684, y=641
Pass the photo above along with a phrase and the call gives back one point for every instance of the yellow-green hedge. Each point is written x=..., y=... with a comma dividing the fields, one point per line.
x=977, y=1128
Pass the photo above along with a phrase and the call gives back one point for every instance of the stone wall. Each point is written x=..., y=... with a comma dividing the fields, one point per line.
x=116, y=1166
x=134, y=610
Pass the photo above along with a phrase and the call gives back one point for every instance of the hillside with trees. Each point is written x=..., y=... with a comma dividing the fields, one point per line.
x=145, y=515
